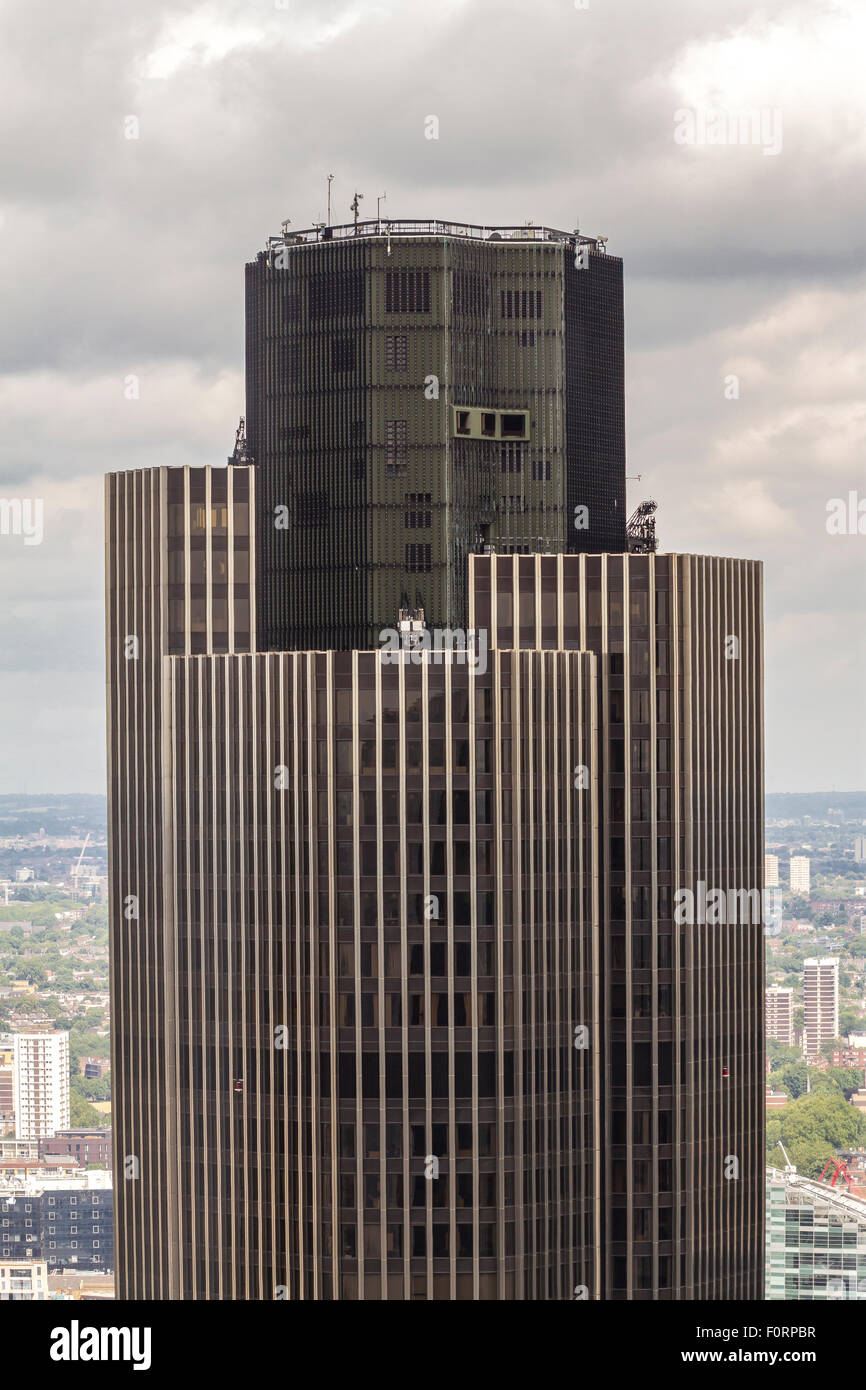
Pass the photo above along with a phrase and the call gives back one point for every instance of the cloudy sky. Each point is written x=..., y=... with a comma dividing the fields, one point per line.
x=125, y=256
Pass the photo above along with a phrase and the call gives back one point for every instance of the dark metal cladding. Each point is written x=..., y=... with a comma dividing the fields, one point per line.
x=360, y=350
x=595, y=402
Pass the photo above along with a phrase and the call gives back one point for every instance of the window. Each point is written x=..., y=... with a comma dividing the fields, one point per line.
x=640, y=755
x=510, y=458
x=463, y=425
x=343, y=355
x=521, y=304
x=513, y=426
x=396, y=442
x=488, y=424
x=419, y=558
x=418, y=513
x=541, y=470
x=396, y=352
x=407, y=291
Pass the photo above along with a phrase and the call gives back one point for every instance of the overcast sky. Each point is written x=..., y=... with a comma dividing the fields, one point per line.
x=742, y=260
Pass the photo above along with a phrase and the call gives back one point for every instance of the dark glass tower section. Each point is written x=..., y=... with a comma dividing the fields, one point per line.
x=416, y=392
x=595, y=402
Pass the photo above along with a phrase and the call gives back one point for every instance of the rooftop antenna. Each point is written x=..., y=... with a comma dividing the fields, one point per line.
x=285, y=225
x=379, y=201
x=353, y=207
x=330, y=180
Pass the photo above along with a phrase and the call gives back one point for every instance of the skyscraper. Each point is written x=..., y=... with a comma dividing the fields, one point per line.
x=820, y=1002
x=402, y=1005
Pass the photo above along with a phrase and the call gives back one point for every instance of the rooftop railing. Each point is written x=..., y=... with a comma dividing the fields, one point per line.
x=386, y=227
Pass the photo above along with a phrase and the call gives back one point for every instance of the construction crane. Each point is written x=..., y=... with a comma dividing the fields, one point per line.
x=77, y=870
x=239, y=454
x=789, y=1166
x=839, y=1169
x=641, y=529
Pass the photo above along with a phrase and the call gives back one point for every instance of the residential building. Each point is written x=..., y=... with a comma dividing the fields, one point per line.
x=66, y=1220
x=40, y=1083
x=820, y=1002
x=23, y=1282
x=88, y=1147
x=799, y=875
x=771, y=870
x=780, y=1015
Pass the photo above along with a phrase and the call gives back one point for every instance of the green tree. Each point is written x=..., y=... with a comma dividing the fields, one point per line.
x=780, y=1055
x=816, y=1125
x=82, y=1115
x=801, y=909
x=793, y=1078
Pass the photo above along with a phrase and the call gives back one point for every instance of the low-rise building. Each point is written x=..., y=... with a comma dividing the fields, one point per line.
x=23, y=1281
x=816, y=1240
x=86, y=1146
x=67, y=1221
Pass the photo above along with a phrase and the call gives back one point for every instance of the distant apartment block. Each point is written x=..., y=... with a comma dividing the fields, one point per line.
x=820, y=1002
x=860, y=849
x=91, y=1068
x=800, y=878
x=849, y=1057
x=771, y=870
x=780, y=1015
x=7, y=1089
x=40, y=1084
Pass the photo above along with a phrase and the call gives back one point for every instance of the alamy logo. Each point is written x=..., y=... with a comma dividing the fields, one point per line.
x=22, y=516
x=717, y=907
x=709, y=125
x=438, y=646
x=76, y=1343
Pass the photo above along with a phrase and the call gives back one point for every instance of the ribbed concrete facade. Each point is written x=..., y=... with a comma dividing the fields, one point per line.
x=382, y=947
x=680, y=680
x=356, y=1005
x=401, y=1005
x=179, y=577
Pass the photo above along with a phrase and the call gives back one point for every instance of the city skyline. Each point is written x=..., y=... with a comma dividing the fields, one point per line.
x=712, y=292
